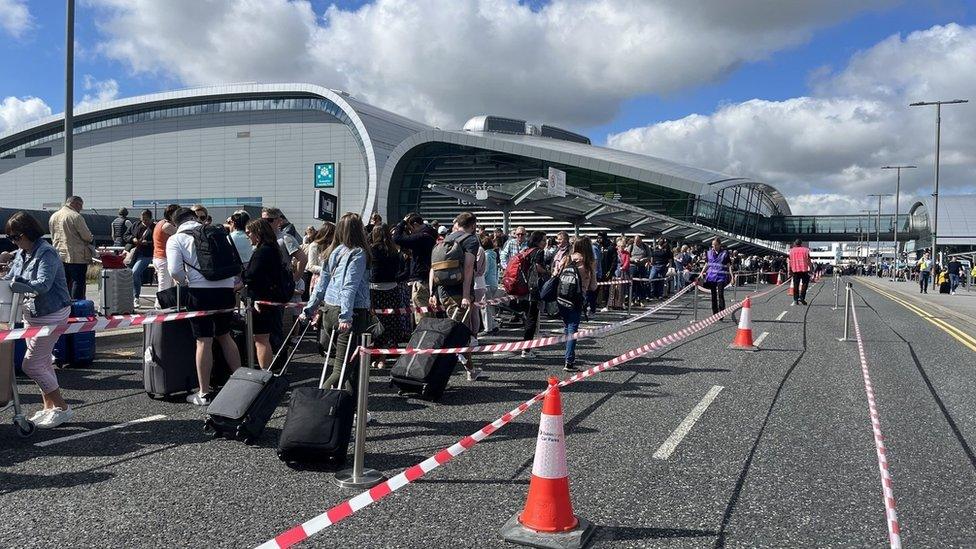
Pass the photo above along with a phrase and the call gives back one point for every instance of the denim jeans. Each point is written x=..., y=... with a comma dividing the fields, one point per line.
x=953, y=282
x=138, y=269
x=657, y=286
x=571, y=322
x=640, y=288
x=75, y=274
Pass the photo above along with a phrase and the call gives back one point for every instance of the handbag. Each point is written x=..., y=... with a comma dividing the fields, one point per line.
x=173, y=298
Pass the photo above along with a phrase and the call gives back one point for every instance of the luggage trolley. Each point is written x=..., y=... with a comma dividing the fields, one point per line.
x=10, y=301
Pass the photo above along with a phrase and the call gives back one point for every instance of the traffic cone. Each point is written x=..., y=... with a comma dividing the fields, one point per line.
x=743, y=336
x=547, y=519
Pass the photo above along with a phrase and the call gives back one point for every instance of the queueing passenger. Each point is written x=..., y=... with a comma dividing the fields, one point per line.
x=716, y=274
x=237, y=225
x=264, y=271
x=385, y=291
x=800, y=267
x=490, y=324
x=513, y=246
x=640, y=261
x=536, y=265
x=73, y=241
x=142, y=251
x=320, y=245
x=37, y=265
x=457, y=300
x=582, y=261
x=164, y=229
x=343, y=287
x=203, y=295
x=661, y=259
x=415, y=236
x=924, y=265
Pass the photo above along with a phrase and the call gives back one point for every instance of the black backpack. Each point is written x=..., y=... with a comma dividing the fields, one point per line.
x=283, y=290
x=216, y=253
x=570, y=292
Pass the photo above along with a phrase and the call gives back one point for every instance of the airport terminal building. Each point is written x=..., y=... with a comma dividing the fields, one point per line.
x=284, y=144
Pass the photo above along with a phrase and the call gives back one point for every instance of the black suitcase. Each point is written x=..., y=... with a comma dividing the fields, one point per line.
x=427, y=375
x=169, y=358
x=241, y=410
x=944, y=288
x=318, y=426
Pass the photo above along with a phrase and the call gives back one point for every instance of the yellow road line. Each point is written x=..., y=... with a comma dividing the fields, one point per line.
x=957, y=334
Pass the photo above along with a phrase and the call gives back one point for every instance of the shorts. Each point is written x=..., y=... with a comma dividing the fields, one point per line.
x=269, y=320
x=210, y=299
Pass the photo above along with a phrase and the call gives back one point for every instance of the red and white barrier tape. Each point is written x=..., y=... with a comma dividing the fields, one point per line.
x=101, y=324
x=891, y=515
x=344, y=510
x=399, y=310
x=530, y=344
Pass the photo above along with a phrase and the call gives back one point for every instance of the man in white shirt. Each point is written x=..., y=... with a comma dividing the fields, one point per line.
x=204, y=295
x=513, y=246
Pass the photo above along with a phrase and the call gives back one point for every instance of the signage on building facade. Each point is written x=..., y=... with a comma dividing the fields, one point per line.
x=326, y=206
x=557, y=182
x=326, y=175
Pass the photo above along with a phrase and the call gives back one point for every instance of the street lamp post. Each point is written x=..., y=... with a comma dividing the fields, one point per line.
x=880, y=197
x=897, y=196
x=938, y=143
x=867, y=238
x=69, y=98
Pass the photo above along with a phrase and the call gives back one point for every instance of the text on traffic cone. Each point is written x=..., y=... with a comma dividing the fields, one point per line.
x=548, y=507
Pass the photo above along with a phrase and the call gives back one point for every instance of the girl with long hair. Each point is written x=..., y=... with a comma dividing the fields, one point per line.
x=262, y=274
x=343, y=287
x=385, y=292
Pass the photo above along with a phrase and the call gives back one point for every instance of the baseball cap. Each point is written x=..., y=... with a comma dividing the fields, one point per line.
x=442, y=230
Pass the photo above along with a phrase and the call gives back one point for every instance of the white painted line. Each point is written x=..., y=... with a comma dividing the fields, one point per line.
x=304, y=381
x=760, y=339
x=666, y=449
x=76, y=436
x=781, y=315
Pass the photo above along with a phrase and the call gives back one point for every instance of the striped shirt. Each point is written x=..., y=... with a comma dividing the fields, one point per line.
x=800, y=261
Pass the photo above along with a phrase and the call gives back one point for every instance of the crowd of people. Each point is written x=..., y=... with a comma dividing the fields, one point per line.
x=350, y=268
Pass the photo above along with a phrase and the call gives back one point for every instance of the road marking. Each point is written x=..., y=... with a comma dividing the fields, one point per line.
x=781, y=315
x=957, y=334
x=304, y=381
x=76, y=436
x=760, y=339
x=666, y=449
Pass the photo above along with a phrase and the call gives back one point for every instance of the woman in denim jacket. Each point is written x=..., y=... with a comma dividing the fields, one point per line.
x=38, y=272
x=344, y=288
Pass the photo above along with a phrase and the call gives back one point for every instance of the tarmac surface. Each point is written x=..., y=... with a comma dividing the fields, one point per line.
x=783, y=456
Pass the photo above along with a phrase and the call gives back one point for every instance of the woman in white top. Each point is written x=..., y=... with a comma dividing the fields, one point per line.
x=315, y=250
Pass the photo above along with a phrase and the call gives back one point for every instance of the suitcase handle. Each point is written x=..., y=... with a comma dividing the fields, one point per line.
x=464, y=317
x=345, y=362
x=325, y=365
x=284, y=345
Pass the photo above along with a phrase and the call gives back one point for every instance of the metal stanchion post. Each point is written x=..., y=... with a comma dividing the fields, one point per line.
x=735, y=287
x=630, y=295
x=249, y=326
x=758, y=274
x=847, y=313
x=696, y=301
x=836, y=291
x=359, y=477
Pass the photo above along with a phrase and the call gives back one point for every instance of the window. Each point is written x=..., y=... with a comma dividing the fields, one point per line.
x=38, y=151
x=243, y=134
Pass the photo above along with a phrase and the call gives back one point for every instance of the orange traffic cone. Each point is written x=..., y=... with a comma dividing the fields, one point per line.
x=548, y=519
x=743, y=336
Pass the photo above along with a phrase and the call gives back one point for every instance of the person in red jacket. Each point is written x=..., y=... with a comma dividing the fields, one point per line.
x=800, y=266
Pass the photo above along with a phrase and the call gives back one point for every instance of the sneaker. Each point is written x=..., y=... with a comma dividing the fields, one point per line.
x=605, y=310
x=135, y=303
x=56, y=417
x=39, y=416
x=476, y=374
x=528, y=353
x=369, y=418
x=952, y=293
x=803, y=302
x=794, y=304
x=198, y=399
x=570, y=368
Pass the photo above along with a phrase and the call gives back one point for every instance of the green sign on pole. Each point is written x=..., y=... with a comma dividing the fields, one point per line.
x=326, y=174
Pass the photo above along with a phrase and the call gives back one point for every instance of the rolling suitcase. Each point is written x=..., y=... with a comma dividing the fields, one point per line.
x=428, y=375
x=318, y=426
x=116, y=292
x=241, y=410
x=77, y=350
x=169, y=360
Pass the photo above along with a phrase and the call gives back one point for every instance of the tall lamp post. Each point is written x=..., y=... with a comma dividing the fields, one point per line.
x=938, y=142
x=880, y=197
x=867, y=238
x=69, y=98
x=897, y=197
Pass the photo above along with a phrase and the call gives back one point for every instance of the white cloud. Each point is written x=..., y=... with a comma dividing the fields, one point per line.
x=824, y=151
x=571, y=62
x=15, y=18
x=102, y=91
x=15, y=112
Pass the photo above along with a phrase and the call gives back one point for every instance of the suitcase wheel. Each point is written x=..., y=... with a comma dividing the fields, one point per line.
x=209, y=428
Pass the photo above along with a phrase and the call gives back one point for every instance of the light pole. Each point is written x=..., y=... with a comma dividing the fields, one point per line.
x=69, y=98
x=867, y=238
x=880, y=197
x=938, y=143
x=897, y=196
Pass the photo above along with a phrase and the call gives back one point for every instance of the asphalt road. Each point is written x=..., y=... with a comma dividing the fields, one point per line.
x=782, y=457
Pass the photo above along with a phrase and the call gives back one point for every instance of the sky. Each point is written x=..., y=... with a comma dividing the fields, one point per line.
x=811, y=97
